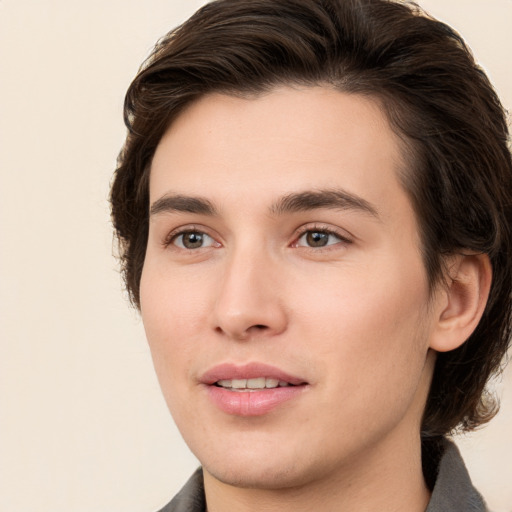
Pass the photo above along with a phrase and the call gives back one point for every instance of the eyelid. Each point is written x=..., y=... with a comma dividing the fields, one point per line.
x=343, y=235
x=168, y=240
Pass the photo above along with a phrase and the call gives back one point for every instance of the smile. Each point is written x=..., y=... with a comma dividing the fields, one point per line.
x=253, y=389
x=251, y=384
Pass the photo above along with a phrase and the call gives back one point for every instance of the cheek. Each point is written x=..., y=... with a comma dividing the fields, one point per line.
x=173, y=303
x=173, y=313
x=368, y=323
x=361, y=298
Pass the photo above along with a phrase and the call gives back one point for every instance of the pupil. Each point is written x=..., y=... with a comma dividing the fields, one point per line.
x=317, y=239
x=192, y=240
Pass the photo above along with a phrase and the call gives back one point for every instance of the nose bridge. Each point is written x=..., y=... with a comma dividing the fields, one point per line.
x=248, y=302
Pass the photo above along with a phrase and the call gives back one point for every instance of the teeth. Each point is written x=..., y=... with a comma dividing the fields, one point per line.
x=271, y=383
x=239, y=383
x=257, y=383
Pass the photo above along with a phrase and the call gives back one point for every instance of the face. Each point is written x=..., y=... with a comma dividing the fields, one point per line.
x=283, y=292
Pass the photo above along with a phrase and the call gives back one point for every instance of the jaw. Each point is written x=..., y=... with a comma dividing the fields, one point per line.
x=274, y=460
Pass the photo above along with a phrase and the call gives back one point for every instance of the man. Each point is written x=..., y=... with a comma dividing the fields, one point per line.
x=314, y=208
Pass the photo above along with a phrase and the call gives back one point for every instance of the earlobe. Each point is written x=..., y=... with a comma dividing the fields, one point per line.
x=462, y=302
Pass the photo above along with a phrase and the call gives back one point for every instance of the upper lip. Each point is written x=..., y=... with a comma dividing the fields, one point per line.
x=230, y=371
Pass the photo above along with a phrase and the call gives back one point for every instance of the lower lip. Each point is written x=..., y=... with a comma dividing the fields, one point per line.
x=252, y=403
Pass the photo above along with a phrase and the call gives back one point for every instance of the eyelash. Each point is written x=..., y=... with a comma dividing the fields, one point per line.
x=325, y=230
x=171, y=238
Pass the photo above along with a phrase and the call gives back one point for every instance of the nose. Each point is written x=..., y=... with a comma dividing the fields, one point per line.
x=249, y=303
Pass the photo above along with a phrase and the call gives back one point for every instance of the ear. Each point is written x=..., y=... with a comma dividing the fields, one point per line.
x=461, y=302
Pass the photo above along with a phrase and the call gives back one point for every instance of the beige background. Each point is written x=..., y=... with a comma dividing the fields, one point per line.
x=83, y=426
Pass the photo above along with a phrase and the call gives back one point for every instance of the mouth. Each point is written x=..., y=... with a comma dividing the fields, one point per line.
x=254, y=384
x=249, y=376
x=252, y=389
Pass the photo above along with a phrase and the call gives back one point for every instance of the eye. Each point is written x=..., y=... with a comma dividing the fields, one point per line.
x=318, y=238
x=192, y=240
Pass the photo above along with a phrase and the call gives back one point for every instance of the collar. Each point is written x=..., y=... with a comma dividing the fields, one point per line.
x=453, y=489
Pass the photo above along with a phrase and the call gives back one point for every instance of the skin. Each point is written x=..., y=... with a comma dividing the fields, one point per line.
x=353, y=318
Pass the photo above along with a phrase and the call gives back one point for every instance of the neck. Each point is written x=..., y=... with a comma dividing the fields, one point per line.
x=385, y=478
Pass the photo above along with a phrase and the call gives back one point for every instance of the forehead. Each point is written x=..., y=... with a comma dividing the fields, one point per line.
x=287, y=140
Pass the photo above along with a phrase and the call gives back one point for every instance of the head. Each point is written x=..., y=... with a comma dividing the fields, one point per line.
x=448, y=125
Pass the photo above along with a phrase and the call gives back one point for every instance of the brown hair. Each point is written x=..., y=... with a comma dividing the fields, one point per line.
x=437, y=99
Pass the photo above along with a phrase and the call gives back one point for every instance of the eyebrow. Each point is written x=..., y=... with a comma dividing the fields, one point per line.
x=316, y=199
x=295, y=202
x=180, y=203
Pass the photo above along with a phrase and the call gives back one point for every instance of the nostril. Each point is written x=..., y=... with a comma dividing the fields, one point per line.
x=256, y=329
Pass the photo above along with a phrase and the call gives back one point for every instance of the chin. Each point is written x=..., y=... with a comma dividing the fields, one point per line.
x=259, y=476
x=261, y=464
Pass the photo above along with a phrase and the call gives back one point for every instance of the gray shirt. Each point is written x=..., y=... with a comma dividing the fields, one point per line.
x=452, y=492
